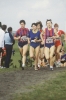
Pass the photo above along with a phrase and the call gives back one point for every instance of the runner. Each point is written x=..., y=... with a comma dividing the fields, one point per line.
x=49, y=34
x=34, y=40
x=58, y=42
x=41, y=53
x=63, y=58
x=21, y=36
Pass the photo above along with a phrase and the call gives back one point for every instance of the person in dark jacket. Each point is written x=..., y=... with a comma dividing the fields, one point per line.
x=9, y=41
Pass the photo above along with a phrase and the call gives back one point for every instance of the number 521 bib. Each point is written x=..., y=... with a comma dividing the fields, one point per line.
x=49, y=40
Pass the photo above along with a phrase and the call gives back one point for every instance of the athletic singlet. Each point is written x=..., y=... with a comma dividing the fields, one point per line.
x=48, y=35
x=22, y=32
x=58, y=42
x=32, y=36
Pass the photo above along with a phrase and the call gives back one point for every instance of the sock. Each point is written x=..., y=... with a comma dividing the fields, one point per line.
x=51, y=66
x=23, y=65
x=39, y=65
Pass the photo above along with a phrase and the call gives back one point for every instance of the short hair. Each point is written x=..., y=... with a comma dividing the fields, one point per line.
x=0, y=24
x=56, y=25
x=48, y=20
x=9, y=29
x=39, y=22
x=33, y=24
x=4, y=27
x=22, y=21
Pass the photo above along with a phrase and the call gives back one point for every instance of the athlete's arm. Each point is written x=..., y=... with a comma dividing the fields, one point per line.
x=29, y=40
x=56, y=35
x=17, y=35
x=17, y=38
x=37, y=40
x=28, y=37
x=41, y=35
x=65, y=36
x=61, y=32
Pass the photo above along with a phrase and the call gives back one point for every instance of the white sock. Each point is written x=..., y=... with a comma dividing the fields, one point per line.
x=39, y=65
x=23, y=65
x=51, y=66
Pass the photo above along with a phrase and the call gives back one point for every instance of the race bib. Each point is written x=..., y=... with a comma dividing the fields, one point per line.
x=32, y=40
x=24, y=38
x=49, y=40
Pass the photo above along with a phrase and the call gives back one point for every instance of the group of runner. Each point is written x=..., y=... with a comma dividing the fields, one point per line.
x=44, y=45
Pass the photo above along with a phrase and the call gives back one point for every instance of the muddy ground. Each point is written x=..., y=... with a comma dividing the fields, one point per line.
x=20, y=81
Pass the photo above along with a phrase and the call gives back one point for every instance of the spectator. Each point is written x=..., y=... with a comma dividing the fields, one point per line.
x=9, y=41
x=2, y=35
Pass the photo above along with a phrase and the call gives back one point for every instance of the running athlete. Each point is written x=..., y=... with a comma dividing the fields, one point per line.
x=62, y=58
x=21, y=36
x=41, y=53
x=58, y=42
x=34, y=40
x=50, y=34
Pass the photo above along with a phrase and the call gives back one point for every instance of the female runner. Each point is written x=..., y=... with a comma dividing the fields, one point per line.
x=21, y=36
x=58, y=42
x=34, y=40
x=41, y=53
x=49, y=34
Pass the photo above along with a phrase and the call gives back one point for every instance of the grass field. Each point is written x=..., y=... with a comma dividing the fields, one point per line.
x=54, y=89
x=16, y=56
x=43, y=89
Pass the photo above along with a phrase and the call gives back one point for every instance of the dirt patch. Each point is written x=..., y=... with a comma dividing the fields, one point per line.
x=22, y=80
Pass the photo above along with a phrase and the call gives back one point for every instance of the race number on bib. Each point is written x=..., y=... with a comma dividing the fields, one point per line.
x=24, y=38
x=49, y=40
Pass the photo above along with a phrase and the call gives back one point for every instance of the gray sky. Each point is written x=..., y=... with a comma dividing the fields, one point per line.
x=12, y=11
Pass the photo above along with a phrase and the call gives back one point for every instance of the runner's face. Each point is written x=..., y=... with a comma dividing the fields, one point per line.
x=34, y=27
x=22, y=25
x=38, y=26
x=56, y=28
x=49, y=24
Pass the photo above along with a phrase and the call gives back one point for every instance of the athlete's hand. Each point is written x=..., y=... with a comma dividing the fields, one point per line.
x=19, y=37
x=53, y=37
x=42, y=42
x=35, y=40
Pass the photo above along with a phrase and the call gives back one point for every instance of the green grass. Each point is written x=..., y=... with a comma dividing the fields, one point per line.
x=54, y=89
x=17, y=56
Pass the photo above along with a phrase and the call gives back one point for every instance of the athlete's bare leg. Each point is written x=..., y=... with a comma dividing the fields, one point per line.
x=52, y=51
x=36, y=56
x=25, y=49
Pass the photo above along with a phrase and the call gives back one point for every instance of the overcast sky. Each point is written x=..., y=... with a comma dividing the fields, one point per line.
x=12, y=11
